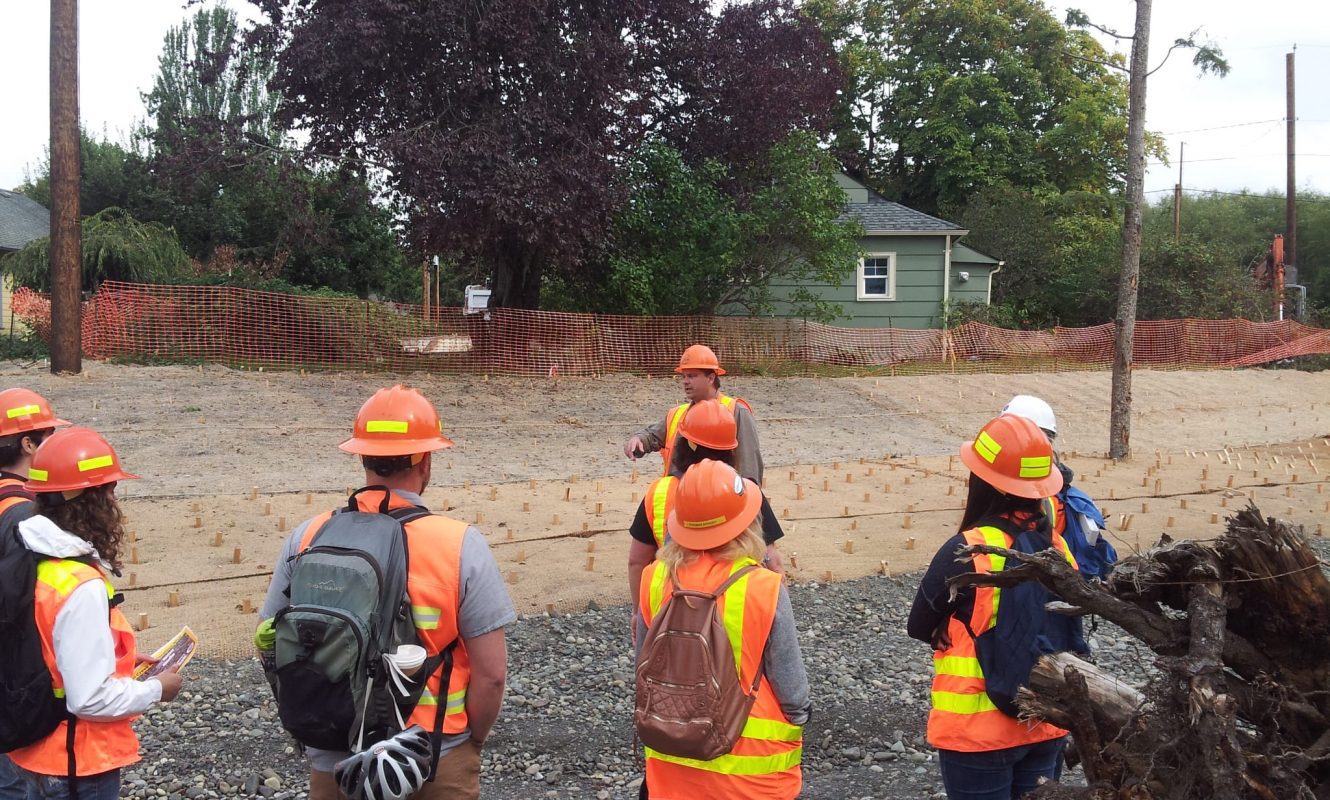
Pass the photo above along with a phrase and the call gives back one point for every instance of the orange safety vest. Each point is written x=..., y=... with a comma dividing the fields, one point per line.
x=98, y=746
x=963, y=717
x=674, y=418
x=14, y=486
x=1055, y=510
x=658, y=502
x=433, y=584
x=765, y=761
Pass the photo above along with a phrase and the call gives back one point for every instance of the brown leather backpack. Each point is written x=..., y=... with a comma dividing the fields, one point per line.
x=689, y=701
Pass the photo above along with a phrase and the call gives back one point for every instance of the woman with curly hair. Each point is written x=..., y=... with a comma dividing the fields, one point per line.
x=76, y=532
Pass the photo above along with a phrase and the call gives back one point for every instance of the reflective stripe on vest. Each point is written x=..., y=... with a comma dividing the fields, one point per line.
x=658, y=507
x=456, y=700
x=760, y=732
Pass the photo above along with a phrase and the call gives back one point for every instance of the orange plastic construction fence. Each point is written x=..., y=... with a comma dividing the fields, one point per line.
x=242, y=327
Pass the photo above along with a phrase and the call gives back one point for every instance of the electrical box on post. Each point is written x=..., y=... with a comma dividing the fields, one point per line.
x=477, y=299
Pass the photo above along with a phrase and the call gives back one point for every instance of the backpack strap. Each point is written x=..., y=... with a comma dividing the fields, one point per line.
x=720, y=590
x=730, y=581
x=441, y=710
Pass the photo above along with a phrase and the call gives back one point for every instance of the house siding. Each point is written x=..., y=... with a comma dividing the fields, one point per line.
x=918, y=303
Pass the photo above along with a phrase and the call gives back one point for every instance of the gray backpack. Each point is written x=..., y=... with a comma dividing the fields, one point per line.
x=348, y=607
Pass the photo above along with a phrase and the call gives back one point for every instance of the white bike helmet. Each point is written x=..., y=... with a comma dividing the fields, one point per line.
x=393, y=769
x=1035, y=410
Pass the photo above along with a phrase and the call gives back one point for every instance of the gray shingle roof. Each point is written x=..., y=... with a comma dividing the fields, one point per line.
x=884, y=215
x=21, y=221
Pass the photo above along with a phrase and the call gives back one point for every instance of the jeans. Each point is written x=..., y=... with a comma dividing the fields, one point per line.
x=12, y=784
x=105, y=786
x=999, y=774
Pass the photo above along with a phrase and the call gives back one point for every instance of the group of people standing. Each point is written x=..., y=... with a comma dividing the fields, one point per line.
x=703, y=529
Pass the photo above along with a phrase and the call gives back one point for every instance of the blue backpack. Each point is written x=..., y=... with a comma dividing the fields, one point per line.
x=1095, y=560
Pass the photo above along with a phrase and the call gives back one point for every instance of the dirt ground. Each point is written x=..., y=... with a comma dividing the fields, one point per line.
x=860, y=469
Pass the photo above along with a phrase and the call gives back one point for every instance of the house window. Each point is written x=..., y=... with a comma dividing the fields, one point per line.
x=877, y=277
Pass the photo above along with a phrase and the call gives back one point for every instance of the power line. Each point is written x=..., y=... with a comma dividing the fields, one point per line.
x=1224, y=127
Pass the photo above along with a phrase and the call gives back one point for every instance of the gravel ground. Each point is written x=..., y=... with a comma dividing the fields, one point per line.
x=566, y=727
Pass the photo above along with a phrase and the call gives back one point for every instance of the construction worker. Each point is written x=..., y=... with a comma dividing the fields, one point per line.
x=984, y=751
x=88, y=645
x=700, y=371
x=708, y=430
x=26, y=420
x=451, y=573
x=715, y=531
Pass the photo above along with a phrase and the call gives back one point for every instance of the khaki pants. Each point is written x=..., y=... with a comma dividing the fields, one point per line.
x=457, y=778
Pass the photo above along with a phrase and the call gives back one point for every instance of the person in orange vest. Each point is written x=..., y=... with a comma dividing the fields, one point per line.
x=453, y=583
x=984, y=649
x=715, y=531
x=26, y=420
x=708, y=430
x=77, y=531
x=700, y=371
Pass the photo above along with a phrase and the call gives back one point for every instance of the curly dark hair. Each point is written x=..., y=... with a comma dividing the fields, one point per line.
x=94, y=516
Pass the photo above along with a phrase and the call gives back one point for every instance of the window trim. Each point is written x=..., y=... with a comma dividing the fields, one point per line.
x=859, y=293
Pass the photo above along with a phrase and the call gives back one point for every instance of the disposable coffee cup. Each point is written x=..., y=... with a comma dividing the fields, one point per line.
x=408, y=658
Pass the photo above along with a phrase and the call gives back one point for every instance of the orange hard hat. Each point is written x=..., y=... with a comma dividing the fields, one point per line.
x=707, y=423
x=699, y=356
x=23, y=410
x=1013, y=456
x=72, y=459
x=396, y=422
x=712, y=505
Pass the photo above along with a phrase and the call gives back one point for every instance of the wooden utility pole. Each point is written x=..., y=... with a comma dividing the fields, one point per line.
x=66, y=274
x=1177, y=196
x=1291, y=193
x=424, y=292
x=1119, y=426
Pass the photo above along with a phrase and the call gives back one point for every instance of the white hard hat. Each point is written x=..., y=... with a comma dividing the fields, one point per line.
x=1035, y=410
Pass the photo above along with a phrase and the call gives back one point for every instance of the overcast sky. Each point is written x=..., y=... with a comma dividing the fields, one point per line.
x=1233, y=126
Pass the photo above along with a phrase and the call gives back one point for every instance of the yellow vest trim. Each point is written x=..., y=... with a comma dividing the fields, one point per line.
x=994, y=537
x=956, y=703
x=59, y=575
x=737, y=765
x=426, y=617
x=735, y=599
x=658, y=499
x=772, y=730
x=958, y=666
x=456, y=701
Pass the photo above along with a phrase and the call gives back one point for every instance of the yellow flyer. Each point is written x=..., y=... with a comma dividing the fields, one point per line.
x=171, y=657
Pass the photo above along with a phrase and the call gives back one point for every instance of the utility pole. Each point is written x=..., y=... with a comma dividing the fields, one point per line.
x=1291, y=193
x=1177, y=196
x=1124, y=339
x=66, y=273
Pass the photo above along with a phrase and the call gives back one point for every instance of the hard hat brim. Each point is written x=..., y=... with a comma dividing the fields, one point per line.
x=1032, y=489
x=716, y=369
x=717, y=535
x=394, y=447
x=712, y=444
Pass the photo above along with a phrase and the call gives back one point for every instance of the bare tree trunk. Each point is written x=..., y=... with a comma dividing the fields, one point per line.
x=1119, y=430
x=66, y=270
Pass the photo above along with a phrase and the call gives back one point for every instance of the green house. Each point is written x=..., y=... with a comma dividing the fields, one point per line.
x=912, y=267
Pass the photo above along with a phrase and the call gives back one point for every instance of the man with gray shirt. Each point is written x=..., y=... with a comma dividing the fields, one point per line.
x=454, y=586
